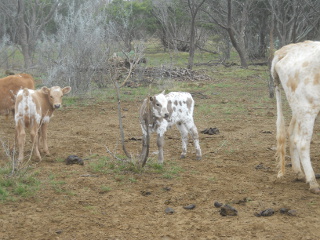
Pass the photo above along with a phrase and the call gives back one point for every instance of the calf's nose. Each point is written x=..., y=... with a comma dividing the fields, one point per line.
x=166, y=115
x=56, y=106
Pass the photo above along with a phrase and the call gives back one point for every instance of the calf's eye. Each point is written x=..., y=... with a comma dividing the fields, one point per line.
x=158, y=105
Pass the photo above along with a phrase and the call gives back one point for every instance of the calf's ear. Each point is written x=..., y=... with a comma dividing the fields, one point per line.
x=163, y=92
x=151, y=98
x=45, y=90
x=66, y=90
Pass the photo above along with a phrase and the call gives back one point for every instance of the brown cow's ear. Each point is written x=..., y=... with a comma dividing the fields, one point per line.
x=45, y=90
x=66, y=90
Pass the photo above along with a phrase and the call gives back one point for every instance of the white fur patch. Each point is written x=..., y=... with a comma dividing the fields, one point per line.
x=27, y=107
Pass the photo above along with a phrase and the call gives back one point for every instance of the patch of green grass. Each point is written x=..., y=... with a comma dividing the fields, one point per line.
x=105, y=189
x=19, y=184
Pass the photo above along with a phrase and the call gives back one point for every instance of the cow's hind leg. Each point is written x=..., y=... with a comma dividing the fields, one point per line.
x=195, y=137
x=305, y=130
x=21, y=138
x=184, y=138
x=295, y=159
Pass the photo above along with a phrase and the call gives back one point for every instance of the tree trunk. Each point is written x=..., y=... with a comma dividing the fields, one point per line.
x=192, y=44
x=240, y=47
x=23, y=38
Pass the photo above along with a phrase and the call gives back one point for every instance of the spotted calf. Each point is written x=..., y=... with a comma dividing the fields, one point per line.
x=160, y=112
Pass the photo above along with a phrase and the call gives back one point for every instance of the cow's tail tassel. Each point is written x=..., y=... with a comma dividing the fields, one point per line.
x=281, y=134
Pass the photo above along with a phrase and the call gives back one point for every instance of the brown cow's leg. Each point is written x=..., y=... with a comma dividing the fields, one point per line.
x=43, y=130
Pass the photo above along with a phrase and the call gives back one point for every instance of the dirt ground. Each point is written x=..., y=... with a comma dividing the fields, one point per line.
x=238, y=168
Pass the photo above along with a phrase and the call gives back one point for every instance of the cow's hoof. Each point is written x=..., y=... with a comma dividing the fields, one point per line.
x=182, y=156
x=198, y=158
x=315, y=190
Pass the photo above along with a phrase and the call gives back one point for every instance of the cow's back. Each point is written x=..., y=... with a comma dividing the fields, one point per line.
x=9, y=87
x=297, y=67
x=180, y=107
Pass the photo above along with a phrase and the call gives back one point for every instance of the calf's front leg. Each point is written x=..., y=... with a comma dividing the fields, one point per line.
x=160, y=143
x=43, y=135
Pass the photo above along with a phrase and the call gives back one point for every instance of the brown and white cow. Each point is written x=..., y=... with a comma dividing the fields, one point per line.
x=162, y=111
x=33, y=109
x=9, y=87
x=297, y=68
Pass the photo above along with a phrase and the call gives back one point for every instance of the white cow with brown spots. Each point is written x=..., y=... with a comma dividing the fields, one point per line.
x=297, y=68
x=162, y=111
x=33, y=109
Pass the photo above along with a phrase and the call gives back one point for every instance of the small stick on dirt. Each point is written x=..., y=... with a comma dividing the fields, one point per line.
x=146, y=141
x=113, y=155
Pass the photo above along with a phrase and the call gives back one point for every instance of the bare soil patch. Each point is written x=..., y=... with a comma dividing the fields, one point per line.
x=238, y=169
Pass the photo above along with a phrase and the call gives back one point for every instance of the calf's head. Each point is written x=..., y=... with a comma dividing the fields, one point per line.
x=159, y=105
x=55, y=95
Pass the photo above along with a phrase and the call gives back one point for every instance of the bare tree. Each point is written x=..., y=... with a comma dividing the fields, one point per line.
x=27, y=21
x=194, y=9
x=233, y=17
x=78, y=53
x=295, y=20
x=174, y=25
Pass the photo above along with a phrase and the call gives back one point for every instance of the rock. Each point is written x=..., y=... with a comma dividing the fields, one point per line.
x=292, y=212
x=265, y=213
x=211, y=131
x=73, y=159
x=169, y=210
x=283, y=210
x=189, y=207
x=145, y=193
x=227, y=210
x=217, y=204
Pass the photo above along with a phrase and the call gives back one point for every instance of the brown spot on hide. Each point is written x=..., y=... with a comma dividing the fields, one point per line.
x=180, y=110
x=169, y=107
x=310, y=99
x=293, y=82
x=176, y=102
x=306, y=81
x=189, y=103
x=174, y=108
x=180, y=103
x=316, y=80
x=305, y=64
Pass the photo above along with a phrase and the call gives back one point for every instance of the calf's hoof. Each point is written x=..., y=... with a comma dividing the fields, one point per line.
x=315, y=190
x=198, y=157
x=182, y=156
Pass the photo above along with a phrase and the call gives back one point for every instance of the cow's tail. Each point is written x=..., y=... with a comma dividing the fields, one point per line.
x=281, y=132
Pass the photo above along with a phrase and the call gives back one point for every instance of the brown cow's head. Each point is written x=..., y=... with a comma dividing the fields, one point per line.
x=55, y=95
x=159, y=105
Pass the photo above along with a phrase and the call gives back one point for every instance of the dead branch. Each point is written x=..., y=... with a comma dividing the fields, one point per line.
x=120, y=120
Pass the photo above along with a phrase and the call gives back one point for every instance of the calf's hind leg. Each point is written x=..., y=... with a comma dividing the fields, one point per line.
x=184, y=138
x=195, y=137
